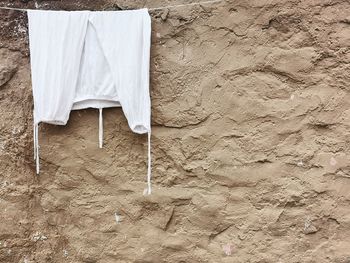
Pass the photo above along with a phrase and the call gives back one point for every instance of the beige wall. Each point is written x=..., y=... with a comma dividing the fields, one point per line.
x=250, y=144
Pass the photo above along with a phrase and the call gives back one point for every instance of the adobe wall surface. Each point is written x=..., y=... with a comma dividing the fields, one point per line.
x=250, y=144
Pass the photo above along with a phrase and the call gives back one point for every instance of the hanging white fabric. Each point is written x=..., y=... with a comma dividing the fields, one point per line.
x=86, y=59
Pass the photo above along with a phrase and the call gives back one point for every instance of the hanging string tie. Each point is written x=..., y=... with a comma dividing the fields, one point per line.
x=36, y=147
x=100, y=129
x=149, y=188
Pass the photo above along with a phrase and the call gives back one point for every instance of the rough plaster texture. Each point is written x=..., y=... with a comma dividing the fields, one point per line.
x=251, y=140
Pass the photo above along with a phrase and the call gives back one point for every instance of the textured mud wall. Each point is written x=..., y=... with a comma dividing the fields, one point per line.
x=250, y=144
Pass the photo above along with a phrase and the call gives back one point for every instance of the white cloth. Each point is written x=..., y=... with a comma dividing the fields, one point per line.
x=86, y=59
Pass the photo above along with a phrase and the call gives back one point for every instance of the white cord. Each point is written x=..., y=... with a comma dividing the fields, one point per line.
x=150, y=9
x=177, y=6
x=13, y=8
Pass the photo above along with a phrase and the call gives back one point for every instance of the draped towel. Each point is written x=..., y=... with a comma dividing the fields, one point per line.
x=87, y=59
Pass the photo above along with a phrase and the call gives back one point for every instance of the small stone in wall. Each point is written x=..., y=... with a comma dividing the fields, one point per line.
x=164, y=15
x=309, y=228
x=6, y=73
x=117, y=218
x=38, y=236
x=2, y=147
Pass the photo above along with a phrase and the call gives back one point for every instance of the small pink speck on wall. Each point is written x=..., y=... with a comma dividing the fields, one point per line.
x=227, y=249
x=333, y=161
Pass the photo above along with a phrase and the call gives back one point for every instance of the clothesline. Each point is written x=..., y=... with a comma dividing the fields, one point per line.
x=150, y=9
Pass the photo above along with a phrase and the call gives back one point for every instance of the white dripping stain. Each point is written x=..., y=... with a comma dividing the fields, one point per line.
x=65, y=253
x=300, y=163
